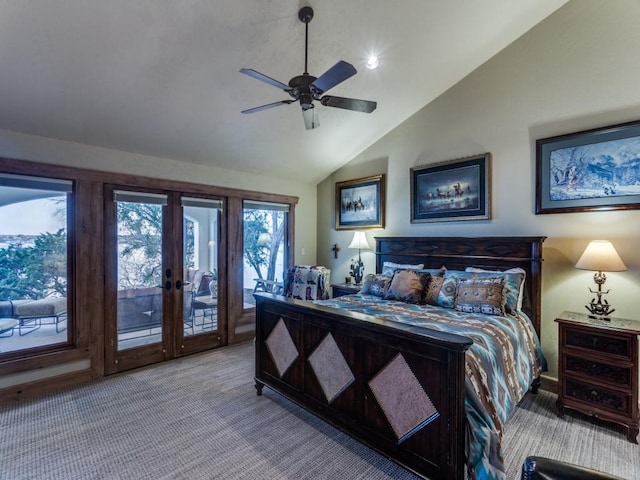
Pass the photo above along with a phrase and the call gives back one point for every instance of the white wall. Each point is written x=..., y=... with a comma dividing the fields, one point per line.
x=576, y=70
x=28, y=147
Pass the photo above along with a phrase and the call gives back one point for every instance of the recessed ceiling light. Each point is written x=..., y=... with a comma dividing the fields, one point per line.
x=372, y=62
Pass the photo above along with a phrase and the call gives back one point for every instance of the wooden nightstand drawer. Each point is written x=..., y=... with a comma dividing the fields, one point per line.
x=598, y=368
x=599, y=342
x=598, y=396
x=585, y=367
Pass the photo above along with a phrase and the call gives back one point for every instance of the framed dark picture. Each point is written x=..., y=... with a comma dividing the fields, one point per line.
x=452, y=190
x=592, y=170
x=360, y=203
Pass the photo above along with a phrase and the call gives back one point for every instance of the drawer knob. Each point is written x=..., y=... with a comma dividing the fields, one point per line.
x=594, y=342
x=594, y=395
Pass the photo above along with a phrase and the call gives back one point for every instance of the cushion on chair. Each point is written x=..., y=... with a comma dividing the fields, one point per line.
x=45, y=307
x=547, y=469
x=7, y=307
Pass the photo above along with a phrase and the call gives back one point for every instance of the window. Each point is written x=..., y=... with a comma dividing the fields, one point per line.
x=265, y=248
x=33, y=262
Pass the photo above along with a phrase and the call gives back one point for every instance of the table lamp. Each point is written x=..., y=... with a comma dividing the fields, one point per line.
x=600, y=256
x=357, y=268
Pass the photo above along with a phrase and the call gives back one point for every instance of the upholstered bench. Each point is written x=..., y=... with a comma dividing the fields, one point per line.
x=7, y=307
x=31, y=312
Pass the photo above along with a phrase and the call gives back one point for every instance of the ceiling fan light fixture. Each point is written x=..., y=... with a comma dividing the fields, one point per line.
x=373, y=62
x=310, y=117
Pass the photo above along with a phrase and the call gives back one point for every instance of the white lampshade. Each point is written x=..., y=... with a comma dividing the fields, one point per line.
x=264, y=239
x=359, y=241
x=601, y=256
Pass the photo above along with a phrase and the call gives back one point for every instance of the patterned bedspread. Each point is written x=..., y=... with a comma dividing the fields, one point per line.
x=500, y=365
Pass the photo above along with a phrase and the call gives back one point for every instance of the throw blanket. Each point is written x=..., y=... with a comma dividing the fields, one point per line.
x=308, y=283
x=500, y=365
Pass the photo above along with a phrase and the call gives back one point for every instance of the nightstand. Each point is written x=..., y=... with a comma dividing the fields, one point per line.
x=340, y=289
x=598, y=368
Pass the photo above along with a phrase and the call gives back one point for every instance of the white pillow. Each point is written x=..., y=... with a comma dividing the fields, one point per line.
x=389, y=267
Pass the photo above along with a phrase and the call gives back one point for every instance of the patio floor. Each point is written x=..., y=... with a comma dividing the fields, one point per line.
x=47, y=335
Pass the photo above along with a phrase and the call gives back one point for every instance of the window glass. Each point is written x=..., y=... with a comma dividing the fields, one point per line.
x=265, y=229
x=33, y=262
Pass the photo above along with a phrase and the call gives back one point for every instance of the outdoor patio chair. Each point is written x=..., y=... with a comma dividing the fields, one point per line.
x=31, y=313
x=204, y=302
x=7, y=325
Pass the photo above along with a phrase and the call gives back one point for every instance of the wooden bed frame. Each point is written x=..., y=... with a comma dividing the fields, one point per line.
x=289, y=360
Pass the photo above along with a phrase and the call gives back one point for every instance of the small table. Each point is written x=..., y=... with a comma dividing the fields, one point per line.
x=340, y=289
x=598, y=368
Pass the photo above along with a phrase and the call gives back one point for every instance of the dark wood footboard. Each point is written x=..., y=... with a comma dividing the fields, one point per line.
x=399, y=389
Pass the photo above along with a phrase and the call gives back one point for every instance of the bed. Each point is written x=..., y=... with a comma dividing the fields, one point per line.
x=402, y=387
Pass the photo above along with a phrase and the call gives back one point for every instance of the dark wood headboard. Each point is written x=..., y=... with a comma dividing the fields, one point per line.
x=457, y=253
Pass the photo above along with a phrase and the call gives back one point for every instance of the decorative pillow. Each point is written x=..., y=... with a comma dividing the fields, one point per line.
x=481, y=295
x=514, y=285
x=375, y=284
x=389, y=267
x=433, y=290
x=407, y=286
x=447, y=293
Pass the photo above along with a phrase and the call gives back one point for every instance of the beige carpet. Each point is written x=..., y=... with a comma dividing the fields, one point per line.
x=199, y=418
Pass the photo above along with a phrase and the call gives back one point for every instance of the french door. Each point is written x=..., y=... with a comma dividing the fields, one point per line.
x=163, y=294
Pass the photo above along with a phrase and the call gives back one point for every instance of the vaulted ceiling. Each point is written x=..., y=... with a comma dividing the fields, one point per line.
x=161, y=77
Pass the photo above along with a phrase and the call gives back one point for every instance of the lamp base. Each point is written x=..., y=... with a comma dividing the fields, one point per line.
x=600, y=310
x=357, y=271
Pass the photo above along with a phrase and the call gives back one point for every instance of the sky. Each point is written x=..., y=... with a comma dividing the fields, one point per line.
x=30, y=218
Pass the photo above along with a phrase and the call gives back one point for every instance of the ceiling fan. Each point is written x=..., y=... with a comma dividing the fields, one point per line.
x=306, y=88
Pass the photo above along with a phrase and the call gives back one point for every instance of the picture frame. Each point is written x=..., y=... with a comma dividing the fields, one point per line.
x=452, y=190
x=591, y=170
x=360, y=203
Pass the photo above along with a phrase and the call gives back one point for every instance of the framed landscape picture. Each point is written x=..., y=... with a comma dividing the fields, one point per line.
x=360, y=203
x=452, y=190
x=592, y=170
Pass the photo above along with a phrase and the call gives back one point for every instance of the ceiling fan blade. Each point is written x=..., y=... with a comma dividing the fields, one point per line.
x=264, y=78
x=365, y=106
x=267, y=106
x=311, y=119
x=332, y=77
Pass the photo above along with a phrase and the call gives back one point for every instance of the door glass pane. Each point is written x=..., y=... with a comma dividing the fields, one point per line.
x=33, y=262
x=200, y=234
x=139, y=307
x=264, y=249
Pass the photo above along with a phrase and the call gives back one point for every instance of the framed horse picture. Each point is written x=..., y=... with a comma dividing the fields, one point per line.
x=360, y=203
x=452, y=190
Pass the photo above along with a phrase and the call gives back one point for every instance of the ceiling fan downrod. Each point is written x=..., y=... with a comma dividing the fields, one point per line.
x=306, y=15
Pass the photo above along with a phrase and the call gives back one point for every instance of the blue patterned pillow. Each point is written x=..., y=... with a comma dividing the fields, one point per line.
x=447, y=293
x=375, y=284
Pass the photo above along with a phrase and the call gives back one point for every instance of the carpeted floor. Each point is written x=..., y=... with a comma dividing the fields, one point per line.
x=199, y=418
